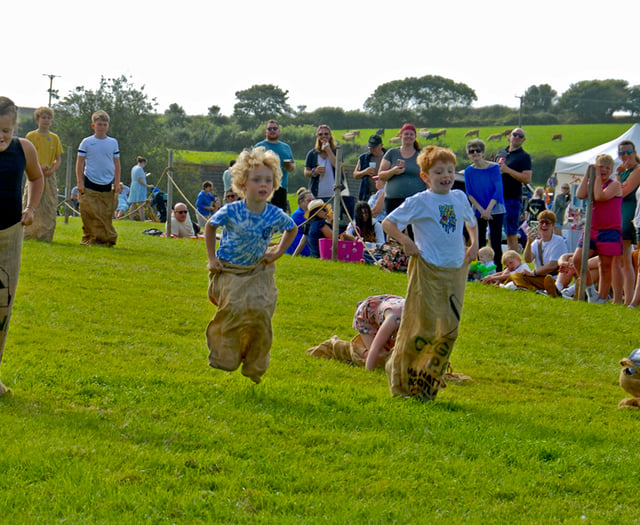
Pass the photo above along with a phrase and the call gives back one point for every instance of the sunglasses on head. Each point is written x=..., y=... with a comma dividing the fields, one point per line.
x=471, y=151
x=519, y=135
x=625, y=152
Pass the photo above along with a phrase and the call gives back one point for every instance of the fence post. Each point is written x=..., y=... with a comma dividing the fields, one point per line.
x=337, y=204
x=67, y=189
x=586, y=237
x=169, y=192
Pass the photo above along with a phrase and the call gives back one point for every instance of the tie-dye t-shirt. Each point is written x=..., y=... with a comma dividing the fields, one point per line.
x=246, y=235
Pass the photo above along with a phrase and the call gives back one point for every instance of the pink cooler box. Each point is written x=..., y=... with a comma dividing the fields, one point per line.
x=348, y=251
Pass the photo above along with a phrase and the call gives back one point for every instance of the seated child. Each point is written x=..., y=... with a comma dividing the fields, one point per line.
x=377, y=319
x=512, y=263
x=241, y=279
x=484, y=266
x=318, y=215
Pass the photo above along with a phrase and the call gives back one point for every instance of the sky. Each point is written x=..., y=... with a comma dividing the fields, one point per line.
x=324, y=53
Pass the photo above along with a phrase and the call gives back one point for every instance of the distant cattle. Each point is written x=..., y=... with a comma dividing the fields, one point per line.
x=432, y=135
x=356, y=132
x=495, y=136
x=557, y=136
x=424, y=133
x=507, y=132
x=380, y=131
x=395, y=140
x=349, y=137
x=473, y=133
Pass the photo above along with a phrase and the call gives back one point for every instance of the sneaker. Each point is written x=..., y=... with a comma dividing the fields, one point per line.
x=509, y=286
x=592, y=294
x=601, y=300
x=569, y=292
x=550, y=286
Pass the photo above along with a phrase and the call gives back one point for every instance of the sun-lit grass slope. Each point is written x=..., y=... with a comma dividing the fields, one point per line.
x=115, y=416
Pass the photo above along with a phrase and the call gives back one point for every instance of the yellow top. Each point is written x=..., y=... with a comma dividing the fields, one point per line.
x=48, y=146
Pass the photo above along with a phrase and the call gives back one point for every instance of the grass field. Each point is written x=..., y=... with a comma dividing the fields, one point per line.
x=575, y=138
x=115, y=416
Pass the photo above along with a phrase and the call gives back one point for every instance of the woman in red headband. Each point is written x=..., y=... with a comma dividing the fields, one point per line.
x=399, y=168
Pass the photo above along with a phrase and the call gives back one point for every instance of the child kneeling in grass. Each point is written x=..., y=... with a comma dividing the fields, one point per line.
x=241, y=278
x=437, y=272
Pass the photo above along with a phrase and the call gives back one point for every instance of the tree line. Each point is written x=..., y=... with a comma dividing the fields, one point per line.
x=428, y=101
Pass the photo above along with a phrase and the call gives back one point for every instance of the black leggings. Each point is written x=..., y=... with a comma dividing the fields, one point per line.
x=495, y=236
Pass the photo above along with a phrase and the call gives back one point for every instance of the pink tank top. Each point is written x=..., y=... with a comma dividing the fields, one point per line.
x=607, y=215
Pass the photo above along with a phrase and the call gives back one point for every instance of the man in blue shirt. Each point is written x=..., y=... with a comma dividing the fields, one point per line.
x=282, y=149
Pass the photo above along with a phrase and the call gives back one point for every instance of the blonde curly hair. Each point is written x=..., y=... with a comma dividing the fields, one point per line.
x=249, y=160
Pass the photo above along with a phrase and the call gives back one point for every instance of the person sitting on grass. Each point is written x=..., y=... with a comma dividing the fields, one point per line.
x=543, y=248
x=484, y=266
x=317, y=228
x=181, y=225
x=512, y=263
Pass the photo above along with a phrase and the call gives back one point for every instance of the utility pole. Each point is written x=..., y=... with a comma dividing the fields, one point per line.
x=520, y=113
x=50, y=90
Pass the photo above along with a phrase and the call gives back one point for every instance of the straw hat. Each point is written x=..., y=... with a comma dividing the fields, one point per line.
x=314, y=206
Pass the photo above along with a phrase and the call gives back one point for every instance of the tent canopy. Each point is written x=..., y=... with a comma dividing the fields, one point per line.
x=574, y=166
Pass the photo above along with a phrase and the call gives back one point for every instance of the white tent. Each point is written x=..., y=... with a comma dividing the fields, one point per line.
x=573, y=167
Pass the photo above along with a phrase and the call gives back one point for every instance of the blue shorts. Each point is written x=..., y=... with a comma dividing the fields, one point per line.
x=512, y=216
x=604, y=242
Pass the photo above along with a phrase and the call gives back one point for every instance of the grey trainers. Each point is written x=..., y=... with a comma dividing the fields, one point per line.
x=592, y=293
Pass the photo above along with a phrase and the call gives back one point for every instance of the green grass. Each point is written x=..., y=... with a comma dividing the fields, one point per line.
x=576, y=137
x=115, y=416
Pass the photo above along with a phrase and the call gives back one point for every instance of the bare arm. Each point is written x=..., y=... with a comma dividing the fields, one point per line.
x=52, y=169
x=472, y=249
x=633, y=181
x=378, y=206
x=80, y=162
x=410, y=248
x=288, y=237
x=210, y=240
x=116, y=175
x=521, y=176
x=385, y=331
x=35, y=181
x=604, y=194
x=386, y=171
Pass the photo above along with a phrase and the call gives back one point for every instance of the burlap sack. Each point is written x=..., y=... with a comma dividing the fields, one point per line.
x=44, y=218
x=428, y=329
x=240, y=331
x=630, y=383
x=10, y=254
x=97, y=212
x=347, y=351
